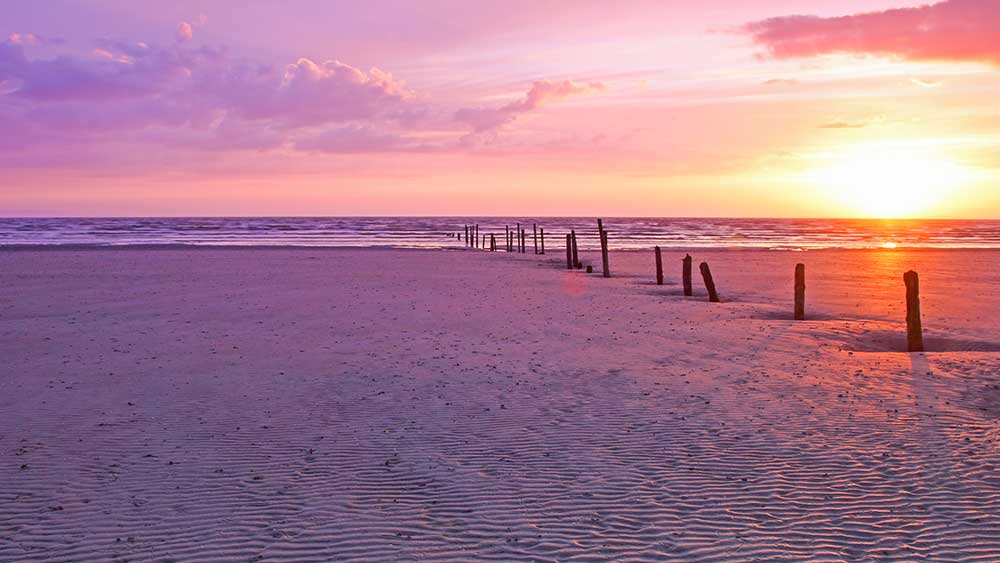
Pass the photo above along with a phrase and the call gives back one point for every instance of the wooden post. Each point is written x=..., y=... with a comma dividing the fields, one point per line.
x=542, y=234
x=659, y=266
x=477, y=235
x=493, y=243
x=800, y=292
x=517, y=238
x=706, y=273
x=590, y=269
x=914, y=326
x=524, y=242
x=686, y=275
x=604, y=254
x=534, y=228
x=569, y=252
x=576, y=255
x=466, y=239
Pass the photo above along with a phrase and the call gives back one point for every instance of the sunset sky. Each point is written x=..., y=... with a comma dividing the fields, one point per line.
x=541, y=107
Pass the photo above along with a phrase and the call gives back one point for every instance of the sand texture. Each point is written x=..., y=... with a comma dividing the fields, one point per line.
x=453, y=406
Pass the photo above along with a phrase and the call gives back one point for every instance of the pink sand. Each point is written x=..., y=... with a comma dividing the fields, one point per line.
x=366, y=405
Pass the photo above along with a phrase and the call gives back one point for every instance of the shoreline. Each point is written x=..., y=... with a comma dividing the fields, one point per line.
x=552, y=251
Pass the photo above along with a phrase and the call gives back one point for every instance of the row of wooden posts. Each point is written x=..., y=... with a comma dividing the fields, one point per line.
x=516, y=239
x=516, y=242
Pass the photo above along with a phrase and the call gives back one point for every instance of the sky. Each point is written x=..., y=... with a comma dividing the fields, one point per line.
x=757, y=108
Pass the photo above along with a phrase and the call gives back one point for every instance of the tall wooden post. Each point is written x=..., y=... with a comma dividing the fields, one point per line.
x=542, y=236
x=800, y=292
x=466, y=239
x=477, y=235
x=914, y=326
x=686, y=276
x=604, y=254
x=524, y=242
x=706, y=273
x=569, y=252
x=493, y=243
x=576, y=255
x=534, y=228
x=506, y=230
x=659, y=266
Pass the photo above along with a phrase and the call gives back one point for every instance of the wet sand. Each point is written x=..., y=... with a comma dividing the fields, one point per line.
x=381, y=405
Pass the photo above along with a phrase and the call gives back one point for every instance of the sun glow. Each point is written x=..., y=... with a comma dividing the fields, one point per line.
x=889, y=183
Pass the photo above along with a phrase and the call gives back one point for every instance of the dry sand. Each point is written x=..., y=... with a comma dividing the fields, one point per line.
x=366, y=405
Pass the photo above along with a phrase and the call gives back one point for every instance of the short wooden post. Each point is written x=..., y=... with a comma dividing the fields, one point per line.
x=534, y=228
x=706, y=273
x=686, y=276
x=914, y=326
x=576, y=255
x=569, y=252
x=542, y=236
x=800, y=292
x=659, y=266
x=590, y=269
x=493, y=243
x=604, y=254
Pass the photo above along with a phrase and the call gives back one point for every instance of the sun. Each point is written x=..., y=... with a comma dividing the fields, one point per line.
x=889, y=183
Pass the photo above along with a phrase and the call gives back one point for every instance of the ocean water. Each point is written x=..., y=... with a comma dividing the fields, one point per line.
x=434, y=232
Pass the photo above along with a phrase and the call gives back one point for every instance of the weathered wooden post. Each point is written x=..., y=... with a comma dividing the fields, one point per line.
x=576, y=255
x=590, y=269
x=686, y=276
x=914, y=326
x=706, y=273
x=569, y=252
x=800, y=292
x=524, y=241
x=493, y=243
x=542, y=235
x=604, y=254
x=466, y=239
x=659, y=266
x=477, y=235
x=534, y=228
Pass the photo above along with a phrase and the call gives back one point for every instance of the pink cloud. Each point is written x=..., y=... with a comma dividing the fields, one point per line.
x=541, y=92
x=953, y=30
x=133, y=86
x=184, y=32
x=181, y=96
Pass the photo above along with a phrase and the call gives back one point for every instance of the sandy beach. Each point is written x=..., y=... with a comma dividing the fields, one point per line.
x=354, y=405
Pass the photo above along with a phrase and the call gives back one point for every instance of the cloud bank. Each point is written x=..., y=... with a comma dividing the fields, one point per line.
x=953, y=30
x=185, y=96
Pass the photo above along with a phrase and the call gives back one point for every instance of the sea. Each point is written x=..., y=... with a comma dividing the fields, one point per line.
x=624, y=233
